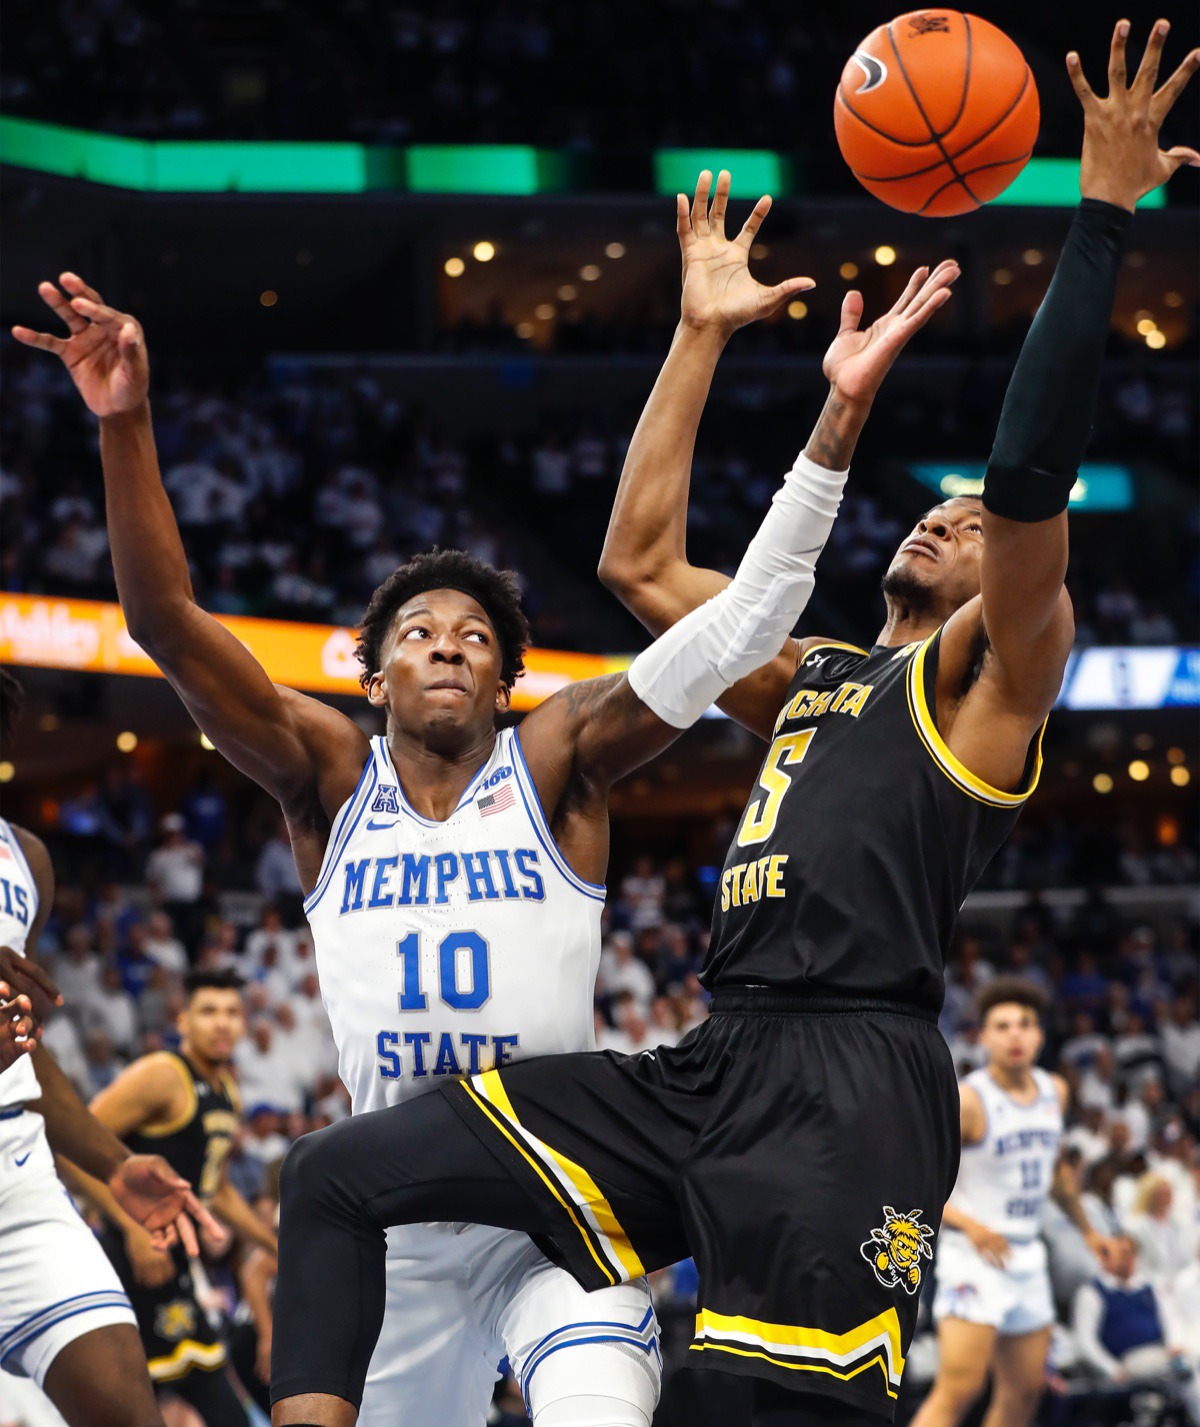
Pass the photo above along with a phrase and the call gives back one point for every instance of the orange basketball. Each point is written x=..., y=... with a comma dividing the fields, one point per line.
x=936, y=113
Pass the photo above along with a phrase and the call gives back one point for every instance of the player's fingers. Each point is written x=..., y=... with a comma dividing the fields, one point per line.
x=683, y=219
x=1147, y=75
x=76, y=286
x=199, y=1215
x=773, y=298
x=61, y=307
x=1116, y=59
x=1179, y=156
x=1164, y=99
x=1082, y=88
x=24, y=975
x=716, y=214
x=922, y=311
x=940, y=281
x=187, y=1236
x=700, y=205
x=755, y=221
x=97, y=312
x=852, y=310
x=912, y=287
x=42, y=340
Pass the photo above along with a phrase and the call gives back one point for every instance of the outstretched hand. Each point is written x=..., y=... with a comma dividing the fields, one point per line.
x=104, y=351
x=19, y=1032
x=859, y=358
x=1121, y=158
x=718, y=290
x=150, y=1191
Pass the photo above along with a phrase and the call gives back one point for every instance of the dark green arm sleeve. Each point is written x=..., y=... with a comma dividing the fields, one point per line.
x=1051, y=398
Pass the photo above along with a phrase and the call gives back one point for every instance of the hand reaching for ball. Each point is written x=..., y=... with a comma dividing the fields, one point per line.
x=1121, y=158
x=719, y=293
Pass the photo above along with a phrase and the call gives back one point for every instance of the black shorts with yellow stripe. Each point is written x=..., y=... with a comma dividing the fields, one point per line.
x=800, y=1148
x=175, y=1332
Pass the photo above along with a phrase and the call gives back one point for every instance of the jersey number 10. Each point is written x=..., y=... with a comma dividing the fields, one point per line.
x=412, y=998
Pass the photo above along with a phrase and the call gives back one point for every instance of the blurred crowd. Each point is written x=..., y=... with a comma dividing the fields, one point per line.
x=517, y=71
x=298, y=492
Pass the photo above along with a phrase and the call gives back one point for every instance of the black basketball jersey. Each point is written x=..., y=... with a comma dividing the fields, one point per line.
x=862, y=837
x=197, y=1144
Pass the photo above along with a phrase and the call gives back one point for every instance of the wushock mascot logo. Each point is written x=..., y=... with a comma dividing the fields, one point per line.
x=895, y=1251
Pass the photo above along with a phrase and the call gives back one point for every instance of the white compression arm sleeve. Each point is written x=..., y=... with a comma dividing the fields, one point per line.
x=696, y=660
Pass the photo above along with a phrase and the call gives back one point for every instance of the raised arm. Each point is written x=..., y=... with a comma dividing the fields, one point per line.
x=644, y=561
x=1051, y=398
x=304, y=753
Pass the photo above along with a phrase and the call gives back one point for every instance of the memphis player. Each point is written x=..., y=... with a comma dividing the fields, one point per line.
x=65, y=1321
x=454, y=876
x=993, y=1306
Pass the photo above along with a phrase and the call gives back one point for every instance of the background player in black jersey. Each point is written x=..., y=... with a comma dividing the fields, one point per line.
x=187, y=1106
x=61, y=1304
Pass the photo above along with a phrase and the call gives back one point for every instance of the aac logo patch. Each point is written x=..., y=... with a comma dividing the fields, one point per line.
x=386, y=800
x=895, y=1251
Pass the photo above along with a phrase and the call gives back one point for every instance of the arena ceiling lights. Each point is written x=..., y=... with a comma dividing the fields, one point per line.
x=200, y=166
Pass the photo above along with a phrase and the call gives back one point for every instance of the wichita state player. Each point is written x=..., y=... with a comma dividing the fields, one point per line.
x=184, y=1106
x=994, y=1305
x=801, y=1144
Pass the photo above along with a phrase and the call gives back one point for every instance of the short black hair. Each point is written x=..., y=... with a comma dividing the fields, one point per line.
x=223, y=978
x=496, y=590
x=1011, y=991
x=12, y=701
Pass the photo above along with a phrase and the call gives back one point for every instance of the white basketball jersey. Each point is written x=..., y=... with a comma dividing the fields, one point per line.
x=1004, y=1180
x=18, y=908
x=449, y=948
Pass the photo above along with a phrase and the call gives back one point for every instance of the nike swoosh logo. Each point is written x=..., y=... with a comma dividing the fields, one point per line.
x=381, y=827
x=874, y=71
x=22, y=1160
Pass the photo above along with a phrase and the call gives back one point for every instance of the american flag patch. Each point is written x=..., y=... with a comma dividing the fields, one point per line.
x=4, y=852
x=496, y=802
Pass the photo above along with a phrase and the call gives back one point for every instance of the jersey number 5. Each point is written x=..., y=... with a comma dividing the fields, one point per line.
x=763, y=813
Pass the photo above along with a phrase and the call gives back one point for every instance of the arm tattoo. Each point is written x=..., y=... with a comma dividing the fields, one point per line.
x=587, y=695
x=835, y=434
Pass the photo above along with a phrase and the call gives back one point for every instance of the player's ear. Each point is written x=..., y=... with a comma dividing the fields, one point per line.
x=377, y=690
x=503, y=698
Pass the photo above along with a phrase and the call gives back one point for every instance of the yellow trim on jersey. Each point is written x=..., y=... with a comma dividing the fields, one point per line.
x=773, y=1341
x=494, y=1117
x=185, y=1355
x=587, y=1192
x=174, y=1126
x=233, y=1090
x=958, y=773
x=832, y=644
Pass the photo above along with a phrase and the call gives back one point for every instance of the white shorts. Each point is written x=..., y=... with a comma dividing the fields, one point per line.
x=55, y=1282
x=1014, y=1300
x=460, y=1297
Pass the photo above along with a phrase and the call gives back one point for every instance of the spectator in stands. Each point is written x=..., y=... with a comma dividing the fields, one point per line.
x=642, y=894
x=276, y=877
x=1120, y=1325
x=111, y=1011
x=175, y=871
x=1154, y=1231
x=163, y=946
x=1180, y=1035
x=621, y=971
x=77, y=969
x=101, y=1066
x=205, y=811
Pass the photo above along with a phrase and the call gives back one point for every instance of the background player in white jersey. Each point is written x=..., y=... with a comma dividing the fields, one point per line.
x=65, y=1321
x=993, y=1306
x=453, y=872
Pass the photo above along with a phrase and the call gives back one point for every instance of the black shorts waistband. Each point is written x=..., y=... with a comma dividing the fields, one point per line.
x=762, y=1001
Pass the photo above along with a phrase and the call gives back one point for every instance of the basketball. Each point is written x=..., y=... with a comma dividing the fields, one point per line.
x=936, y=112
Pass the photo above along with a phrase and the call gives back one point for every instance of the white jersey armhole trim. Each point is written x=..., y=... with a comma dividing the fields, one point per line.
x=343, y=826
x=533, y=806
x=11, y=838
